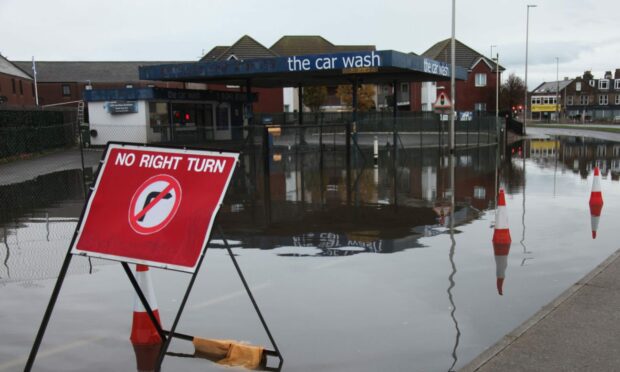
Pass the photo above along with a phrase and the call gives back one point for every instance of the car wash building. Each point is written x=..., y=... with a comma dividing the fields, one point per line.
x=298, y=71
x=162, y=115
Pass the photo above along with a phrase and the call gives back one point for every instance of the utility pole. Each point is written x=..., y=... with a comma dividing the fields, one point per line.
x=452, y=81
x=557, y=89
x=527, y=31
x=36, y=89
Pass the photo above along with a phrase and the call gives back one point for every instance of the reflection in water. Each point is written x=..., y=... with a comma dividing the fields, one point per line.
x=39, y=218
x=453, y=265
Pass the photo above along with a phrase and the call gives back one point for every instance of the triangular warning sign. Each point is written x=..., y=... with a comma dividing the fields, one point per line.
x=442, y=101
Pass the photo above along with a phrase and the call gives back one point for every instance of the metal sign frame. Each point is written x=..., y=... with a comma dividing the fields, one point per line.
x=166, y=336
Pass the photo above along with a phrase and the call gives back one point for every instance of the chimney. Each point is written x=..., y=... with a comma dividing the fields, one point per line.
x=617, y=74
x=565, y=78
x=607, y=74
x=587, y=75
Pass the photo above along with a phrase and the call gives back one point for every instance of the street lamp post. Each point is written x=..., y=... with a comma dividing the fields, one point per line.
x=527, y=31
x=452, y=79
x=557, y=89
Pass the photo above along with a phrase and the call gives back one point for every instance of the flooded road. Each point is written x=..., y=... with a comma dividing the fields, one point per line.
x=353, y=270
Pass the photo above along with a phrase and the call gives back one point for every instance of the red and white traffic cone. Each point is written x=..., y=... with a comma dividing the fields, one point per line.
x=596, y=201
x=143, y=332
x=501, y=240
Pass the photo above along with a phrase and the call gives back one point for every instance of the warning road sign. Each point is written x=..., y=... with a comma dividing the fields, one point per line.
x=442, y=101
x=154, y=206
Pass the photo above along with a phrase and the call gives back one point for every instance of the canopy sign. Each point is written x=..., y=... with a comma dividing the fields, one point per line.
x=154, y=205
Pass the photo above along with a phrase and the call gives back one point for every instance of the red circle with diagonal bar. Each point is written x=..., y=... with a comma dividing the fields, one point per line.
x=154, y=204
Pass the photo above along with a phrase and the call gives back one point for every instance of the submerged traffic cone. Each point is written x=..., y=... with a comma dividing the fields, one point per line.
x=501, y=240
x=143, y=332
x=146, y=357
x=596, y=201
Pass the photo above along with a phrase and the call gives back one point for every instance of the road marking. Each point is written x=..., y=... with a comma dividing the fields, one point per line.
x=57, y=350
x=230, y=296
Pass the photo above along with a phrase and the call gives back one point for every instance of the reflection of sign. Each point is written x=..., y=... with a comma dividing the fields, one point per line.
x=154, y=206
x=442, y=102
x=121, y=107
x=545, y=108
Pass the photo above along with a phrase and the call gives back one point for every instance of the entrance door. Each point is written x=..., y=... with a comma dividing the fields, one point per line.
x=222, y=123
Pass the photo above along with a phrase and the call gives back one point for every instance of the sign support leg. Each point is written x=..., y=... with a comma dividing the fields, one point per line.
x=166, y=344
x=247, y=289
x=48, y=312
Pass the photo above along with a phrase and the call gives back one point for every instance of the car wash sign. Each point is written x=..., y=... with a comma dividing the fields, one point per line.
x=154, y=206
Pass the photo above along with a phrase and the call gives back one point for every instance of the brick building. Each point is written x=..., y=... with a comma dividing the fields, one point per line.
x=16, y=86
x=65, y=81
x=588, y=98
x=269, y=99
x=477, y=93
x=548, y=100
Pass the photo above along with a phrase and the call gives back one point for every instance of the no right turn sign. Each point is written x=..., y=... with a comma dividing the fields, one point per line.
x=154, y=206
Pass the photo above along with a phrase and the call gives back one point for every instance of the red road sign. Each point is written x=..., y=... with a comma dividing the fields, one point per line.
x=442, y=101
x=154, y=206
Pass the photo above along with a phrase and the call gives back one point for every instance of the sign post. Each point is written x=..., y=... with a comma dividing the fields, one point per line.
x=153, y=206
x=442, y=104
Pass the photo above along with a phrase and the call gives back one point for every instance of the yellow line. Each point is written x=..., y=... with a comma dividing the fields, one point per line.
x=57, y=350
x=229, y=296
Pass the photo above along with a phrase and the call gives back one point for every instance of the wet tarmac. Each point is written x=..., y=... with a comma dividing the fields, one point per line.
x=352, y=273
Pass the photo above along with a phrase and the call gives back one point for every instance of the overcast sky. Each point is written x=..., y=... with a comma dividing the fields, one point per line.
x=583, y=34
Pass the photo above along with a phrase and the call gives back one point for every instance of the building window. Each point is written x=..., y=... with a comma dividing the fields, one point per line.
x=617, y=84
x=480, y=107
x=404, y=88
x=66, y=90
x=583, y=100
x=578, y=86
x=603, y=84
x=592, y=83
x=13, y=85
x=481, y=80
x=602, y=99
x=21, y=88
x=617, y=99
x=569, y=100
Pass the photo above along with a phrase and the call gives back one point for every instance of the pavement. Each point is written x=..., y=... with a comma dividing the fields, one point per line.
x=59, y=160
x=578, y=331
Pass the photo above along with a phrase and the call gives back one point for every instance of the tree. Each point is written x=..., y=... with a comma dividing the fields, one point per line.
x=512, y=93
x=365, y=96
x=314, y=97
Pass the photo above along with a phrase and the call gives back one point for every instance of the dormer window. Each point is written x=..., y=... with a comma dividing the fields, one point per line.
x=481, y=80
x=578, y=86
x=591, y=83
x=603, y=84
x=617, y=84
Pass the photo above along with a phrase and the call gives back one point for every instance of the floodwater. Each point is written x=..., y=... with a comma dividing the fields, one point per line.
x=354, y=270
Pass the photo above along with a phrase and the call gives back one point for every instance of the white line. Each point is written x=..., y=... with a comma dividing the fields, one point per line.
x=57, y=350
x=229, y=296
